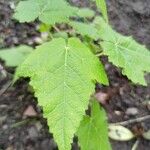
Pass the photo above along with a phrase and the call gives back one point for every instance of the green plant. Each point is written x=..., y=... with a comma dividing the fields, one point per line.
x=9, y=55
x=63, y=72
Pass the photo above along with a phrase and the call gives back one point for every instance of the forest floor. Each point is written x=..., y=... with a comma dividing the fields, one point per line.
x=123, y=100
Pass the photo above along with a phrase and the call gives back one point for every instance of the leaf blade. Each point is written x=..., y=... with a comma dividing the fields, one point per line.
x=16, y=55
x=101, y=4
x=85, y=13
x=48, y=11
x=124, y=52
x=61, y=85
x=92, y=132
x=85, y=29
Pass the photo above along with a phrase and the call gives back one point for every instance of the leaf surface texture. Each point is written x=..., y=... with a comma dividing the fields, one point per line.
x=93, y=130
x=124, y=52
x=48, y=11
x=16, y=55
x=63, y=76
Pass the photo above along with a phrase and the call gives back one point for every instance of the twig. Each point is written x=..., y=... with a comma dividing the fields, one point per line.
x=2, y=71
x=132, y=120
x=57, y=29
x=135, y=144
x=23, y=122
x=99, y=54
x=2, y=91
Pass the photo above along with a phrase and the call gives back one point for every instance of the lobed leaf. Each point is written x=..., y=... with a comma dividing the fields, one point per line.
x=124, y=52
x=85, y=13
x=48, y=11
x=62, y=75
x=85, y=29
x=93, y=130
x=101, y=4
x=15, y=56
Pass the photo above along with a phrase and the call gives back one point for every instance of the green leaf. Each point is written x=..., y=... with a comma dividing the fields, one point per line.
x=62, y=75
x=101, y=4
x=85, y=29
x=44, y=27
x=85, y=13
x=48, y=11
x=124, y=52
x=93, y=131
x=15, y=56
x=61, y=34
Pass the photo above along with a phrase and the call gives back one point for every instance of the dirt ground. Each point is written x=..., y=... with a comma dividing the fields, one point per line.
x=125, y=101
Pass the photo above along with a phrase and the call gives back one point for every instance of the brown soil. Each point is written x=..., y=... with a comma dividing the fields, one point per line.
x=130, y=17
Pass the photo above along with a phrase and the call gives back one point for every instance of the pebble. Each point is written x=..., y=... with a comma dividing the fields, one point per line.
x=11, y=137
x=33, y=132
x=10, y=148
x=5, y=127
x=38, y=40
x=48, y=143
x=2, y=119
x=102, y=97
x=132, y=111
x=118, y=113
x=30, y=111
x=3, y=106
x=38, y=125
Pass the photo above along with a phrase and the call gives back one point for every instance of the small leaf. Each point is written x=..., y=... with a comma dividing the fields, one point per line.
x=48, y=11
x=85, y=29
x=124, y=52
x=93, y=132
x=101, y=4
x=62, y=76
x=61, y=34
x=44, y=27
x=85, y=13
x=15, y=56
x=146, y=135
x=120, y=133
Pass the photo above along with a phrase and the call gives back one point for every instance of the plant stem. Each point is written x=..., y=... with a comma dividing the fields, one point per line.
x=23, y=122
x=99, y=54
x=135, y=144
x=132, y=120
x=57, y=29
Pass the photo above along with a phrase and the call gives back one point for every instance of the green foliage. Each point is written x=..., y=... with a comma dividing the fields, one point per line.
x=101, y=4
x=124, y=52
x=85, y=29
x=15, y=56
x=64, y=71
x=85, y=13
x=61, y=34
x=63, y=83
x=44, y=27
x=93, y=130
x=48, y=11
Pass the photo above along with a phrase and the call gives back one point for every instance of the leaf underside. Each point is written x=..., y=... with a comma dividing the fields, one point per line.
x=16, y=55
x=48, y=11
x=93, y=130
x=124, y=52
x=63, y=75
